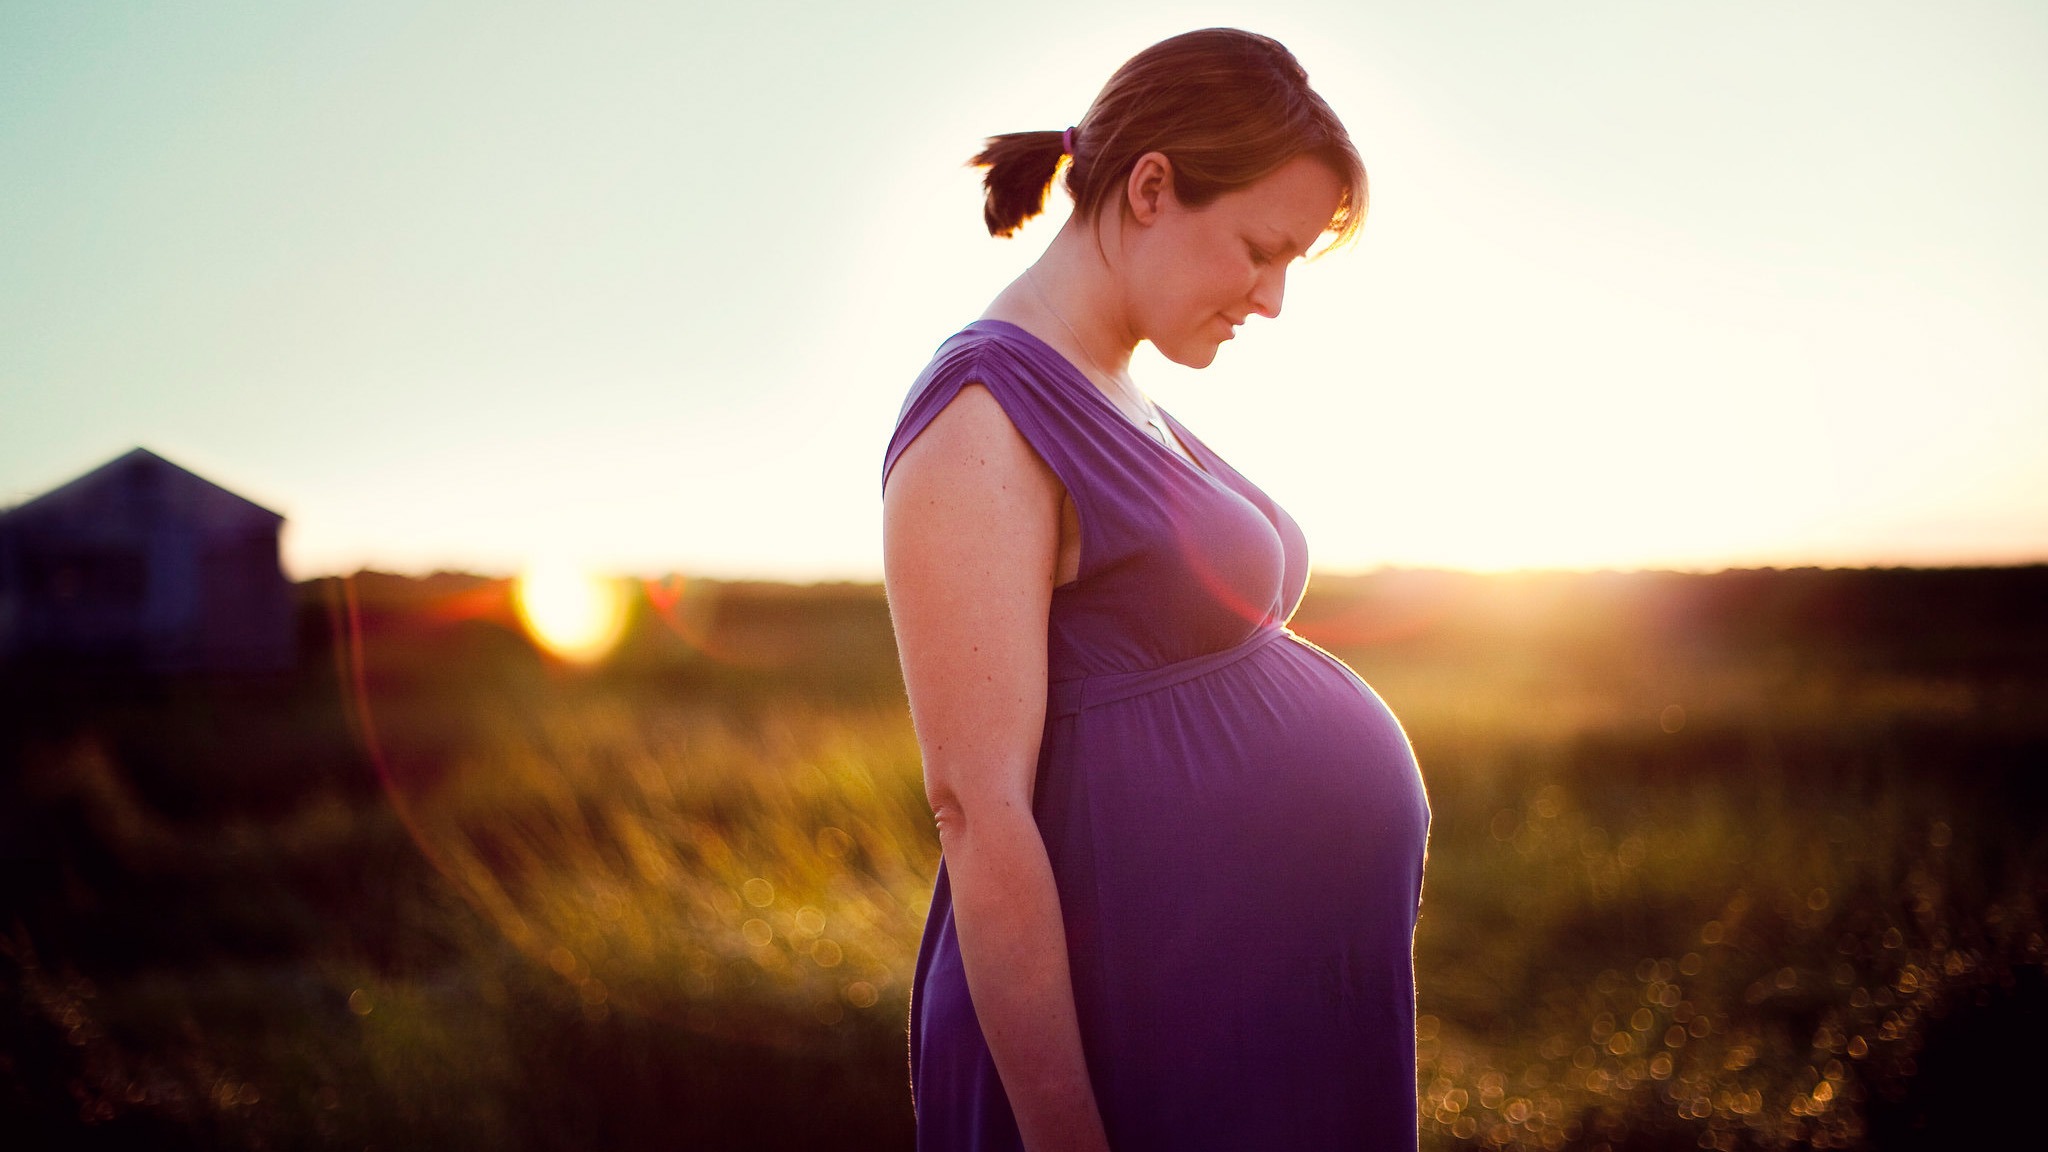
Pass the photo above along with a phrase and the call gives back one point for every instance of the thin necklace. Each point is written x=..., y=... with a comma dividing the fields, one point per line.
x=1152, y=422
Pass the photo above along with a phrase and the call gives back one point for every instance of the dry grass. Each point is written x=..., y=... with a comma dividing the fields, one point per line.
x=648, y=906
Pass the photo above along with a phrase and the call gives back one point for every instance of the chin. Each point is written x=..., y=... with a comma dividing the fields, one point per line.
x=1192, y=354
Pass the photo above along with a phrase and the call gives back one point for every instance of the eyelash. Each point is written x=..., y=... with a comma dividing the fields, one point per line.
x=1259, y=256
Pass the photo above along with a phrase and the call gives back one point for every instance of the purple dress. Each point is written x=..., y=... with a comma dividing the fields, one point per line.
x=1235, y=821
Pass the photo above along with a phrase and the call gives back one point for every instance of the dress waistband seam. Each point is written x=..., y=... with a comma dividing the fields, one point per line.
x=1072, y=697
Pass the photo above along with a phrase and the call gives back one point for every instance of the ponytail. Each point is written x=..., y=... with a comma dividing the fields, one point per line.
x=1227, y=107
x=1021, y=168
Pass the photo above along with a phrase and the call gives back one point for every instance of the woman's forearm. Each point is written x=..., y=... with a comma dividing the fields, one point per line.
x=1006, y=912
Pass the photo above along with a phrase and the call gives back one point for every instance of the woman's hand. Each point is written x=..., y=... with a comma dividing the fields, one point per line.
x=971, y=526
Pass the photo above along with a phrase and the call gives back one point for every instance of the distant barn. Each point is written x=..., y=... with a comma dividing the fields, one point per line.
x=142, y=565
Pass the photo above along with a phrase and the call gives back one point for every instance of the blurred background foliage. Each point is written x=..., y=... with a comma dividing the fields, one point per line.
x=1752, y=860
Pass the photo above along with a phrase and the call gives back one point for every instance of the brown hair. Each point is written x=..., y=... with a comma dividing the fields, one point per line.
x=1227, y=107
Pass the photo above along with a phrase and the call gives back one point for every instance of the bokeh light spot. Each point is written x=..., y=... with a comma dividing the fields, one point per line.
x=1504, y=825
x=575, y=615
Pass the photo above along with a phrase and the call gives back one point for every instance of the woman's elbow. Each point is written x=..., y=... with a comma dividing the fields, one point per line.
x=958, y=817
x=947, y=815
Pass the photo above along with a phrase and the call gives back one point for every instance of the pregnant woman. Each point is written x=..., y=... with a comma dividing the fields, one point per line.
x=1181, y=847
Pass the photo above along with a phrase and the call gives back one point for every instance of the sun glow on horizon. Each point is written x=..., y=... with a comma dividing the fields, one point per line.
x=572, y=613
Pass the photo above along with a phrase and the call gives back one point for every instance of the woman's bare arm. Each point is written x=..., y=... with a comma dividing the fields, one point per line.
x=970, y=535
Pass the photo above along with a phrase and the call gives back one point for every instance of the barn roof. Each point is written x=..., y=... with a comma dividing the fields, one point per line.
x=139, y=488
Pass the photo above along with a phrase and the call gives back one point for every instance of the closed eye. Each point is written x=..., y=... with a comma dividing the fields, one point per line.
x=1259, y=255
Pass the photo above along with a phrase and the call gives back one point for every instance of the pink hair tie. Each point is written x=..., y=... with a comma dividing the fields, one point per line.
x=1067, y=142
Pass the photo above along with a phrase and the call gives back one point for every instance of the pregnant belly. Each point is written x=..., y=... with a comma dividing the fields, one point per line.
x=1239, y=859
x=1264, y=788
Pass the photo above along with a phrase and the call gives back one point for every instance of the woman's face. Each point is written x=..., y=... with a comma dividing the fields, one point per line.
x=1195, y=274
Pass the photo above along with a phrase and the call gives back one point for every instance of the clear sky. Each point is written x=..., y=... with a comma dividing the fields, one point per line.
x=642, y=285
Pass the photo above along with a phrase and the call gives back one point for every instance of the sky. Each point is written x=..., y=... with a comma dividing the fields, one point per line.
x=642, y=286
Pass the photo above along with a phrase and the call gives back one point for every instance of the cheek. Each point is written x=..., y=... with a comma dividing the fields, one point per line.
x=1226, y=274
x=1190, y=278
x=1201, y=281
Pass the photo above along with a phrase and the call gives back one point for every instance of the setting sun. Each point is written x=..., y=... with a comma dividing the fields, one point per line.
x=573, y=614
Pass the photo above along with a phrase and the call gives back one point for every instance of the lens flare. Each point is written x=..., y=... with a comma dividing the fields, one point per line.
x=570, y=612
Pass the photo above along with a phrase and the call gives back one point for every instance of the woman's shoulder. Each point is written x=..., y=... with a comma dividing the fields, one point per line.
x=1002, y=358
x=996, y=344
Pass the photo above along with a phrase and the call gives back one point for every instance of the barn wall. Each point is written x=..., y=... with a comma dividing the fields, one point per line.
x=144, y=565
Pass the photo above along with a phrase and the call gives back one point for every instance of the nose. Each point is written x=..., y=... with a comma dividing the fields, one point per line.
x=1268, y=290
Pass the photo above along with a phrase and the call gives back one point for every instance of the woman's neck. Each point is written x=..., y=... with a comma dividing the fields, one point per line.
x=1072, y=296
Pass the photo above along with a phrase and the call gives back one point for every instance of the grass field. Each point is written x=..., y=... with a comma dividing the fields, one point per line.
x=1752, y=860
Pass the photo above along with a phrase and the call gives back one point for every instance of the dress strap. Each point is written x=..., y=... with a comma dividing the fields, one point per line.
x=1079, y=435
x=1072, y=697
x=1043, y=410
